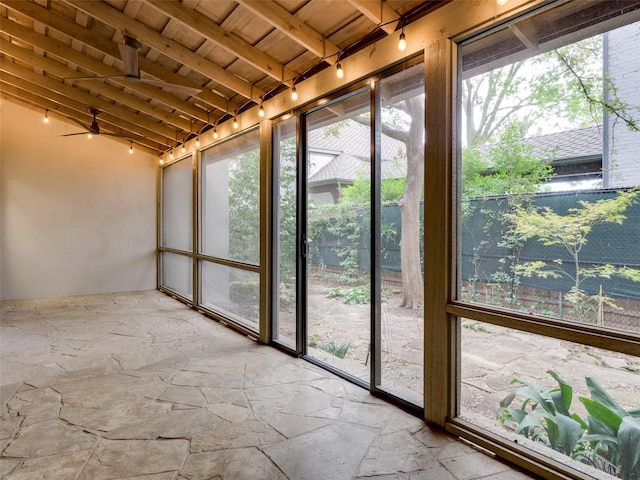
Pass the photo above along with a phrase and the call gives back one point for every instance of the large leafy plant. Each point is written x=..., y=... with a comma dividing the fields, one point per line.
x=608, y=438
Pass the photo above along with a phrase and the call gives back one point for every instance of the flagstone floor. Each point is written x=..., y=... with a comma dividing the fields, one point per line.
x=139, y=386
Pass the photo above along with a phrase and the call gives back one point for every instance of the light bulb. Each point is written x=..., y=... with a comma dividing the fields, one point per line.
x=235, y=122
x=197, y=142
x=294, y=93
x=161, y=161
x=402, y=43
x=502, y=2
x=184, y=149
x=261, y=111
x=339, y=71
x=46, y=116
x=89, y=136
x=215, y=132
x=171, y=154
x=131, y=148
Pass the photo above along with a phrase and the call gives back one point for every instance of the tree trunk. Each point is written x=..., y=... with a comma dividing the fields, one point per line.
x=412, y=279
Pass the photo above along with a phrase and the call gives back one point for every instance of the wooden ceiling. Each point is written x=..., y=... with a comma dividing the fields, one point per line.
x=237, y=53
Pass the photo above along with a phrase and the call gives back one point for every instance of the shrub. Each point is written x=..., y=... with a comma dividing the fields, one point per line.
x=608, y=438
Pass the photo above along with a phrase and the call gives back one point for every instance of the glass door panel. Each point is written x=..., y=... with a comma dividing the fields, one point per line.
x=338, y=238
x=286, y=200
x=401, y=246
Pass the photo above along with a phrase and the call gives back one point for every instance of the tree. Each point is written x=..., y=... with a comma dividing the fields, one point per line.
x=571, y=231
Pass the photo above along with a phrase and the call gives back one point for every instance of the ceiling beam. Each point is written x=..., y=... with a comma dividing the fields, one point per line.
x=29, y=97
x=379, y=13
x=144, y=33
x=99, y=88
x=227, y=40
x=108, y=47
x=293, y=28
x=138, y=124
x=59, y=49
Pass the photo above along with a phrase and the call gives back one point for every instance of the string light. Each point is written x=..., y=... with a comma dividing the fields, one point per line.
x=46, y=116
x=261, y=111
x=402, y=43
x=339, y=71
x=184, y=149
x=171, y=154
x=89, y=136
x=235, y=122
x=197, y=141
x=131, y=147
x=294, y=93
x=502, y=2
x=215, y=131
x=161, y=161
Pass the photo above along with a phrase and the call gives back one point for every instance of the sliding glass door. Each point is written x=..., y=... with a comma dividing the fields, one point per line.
x=348, y=234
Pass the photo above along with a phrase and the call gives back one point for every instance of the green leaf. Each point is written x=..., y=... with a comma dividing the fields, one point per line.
x=629, y=440
x=506, y=401
x=569, y=432
x=528, y=422
x=602, y=413
x=599, y=394
x=565, y=394
x=531, y=394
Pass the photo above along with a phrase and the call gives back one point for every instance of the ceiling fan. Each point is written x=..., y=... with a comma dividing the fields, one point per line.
x=94, y=128
x=129, y=53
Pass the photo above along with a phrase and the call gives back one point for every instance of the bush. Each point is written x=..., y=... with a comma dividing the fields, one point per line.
x=608, y=438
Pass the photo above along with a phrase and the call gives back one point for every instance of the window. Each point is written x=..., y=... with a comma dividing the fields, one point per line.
x=230, y=229
x=548, y=265
x=176, y=228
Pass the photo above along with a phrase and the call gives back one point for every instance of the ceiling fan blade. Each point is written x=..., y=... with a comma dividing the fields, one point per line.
x=173, y=87
x=130, y=59
x=74, y=134
x=83, y=125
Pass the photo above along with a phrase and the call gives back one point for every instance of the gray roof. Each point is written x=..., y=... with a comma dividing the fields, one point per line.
x=345, y=168
x=569, y=144
x=355, y=139
x=351, y=148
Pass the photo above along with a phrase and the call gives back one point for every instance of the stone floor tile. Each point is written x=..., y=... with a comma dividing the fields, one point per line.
x=473, y=466
x=292, y=425
x=332, y=452
x=238, y=464
x=129, y=458
x=396, y=452
x=169, y=424
x=48, y=438
x=61, y=466
x=7, y=465
x=230, y=412
x=251, y=433
x=190, y=396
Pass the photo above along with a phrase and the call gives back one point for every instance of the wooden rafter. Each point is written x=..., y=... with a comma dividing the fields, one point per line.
x=295, y=29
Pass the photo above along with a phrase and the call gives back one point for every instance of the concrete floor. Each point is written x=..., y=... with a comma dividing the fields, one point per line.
x=139, y=386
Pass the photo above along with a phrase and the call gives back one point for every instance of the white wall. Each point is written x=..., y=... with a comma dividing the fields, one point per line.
x=622, y=160
x=77, y=216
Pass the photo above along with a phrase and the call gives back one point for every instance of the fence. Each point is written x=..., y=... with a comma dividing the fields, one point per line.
x=484, y=256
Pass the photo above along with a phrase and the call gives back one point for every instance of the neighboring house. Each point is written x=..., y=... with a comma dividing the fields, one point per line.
x=336, y=160
x=622, y=65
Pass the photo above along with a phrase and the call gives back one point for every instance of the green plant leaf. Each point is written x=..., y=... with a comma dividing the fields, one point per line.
x=506, y=401
x=569, y=432
x=629, y=441
x=602, y=413
x=565, y=394
x=531, y=394
x=528, y=422
x=599, y=394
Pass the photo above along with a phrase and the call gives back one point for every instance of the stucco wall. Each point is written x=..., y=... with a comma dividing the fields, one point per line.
x=78, y=216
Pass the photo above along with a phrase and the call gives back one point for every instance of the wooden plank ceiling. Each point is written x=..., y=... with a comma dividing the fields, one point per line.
x=214, y=58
